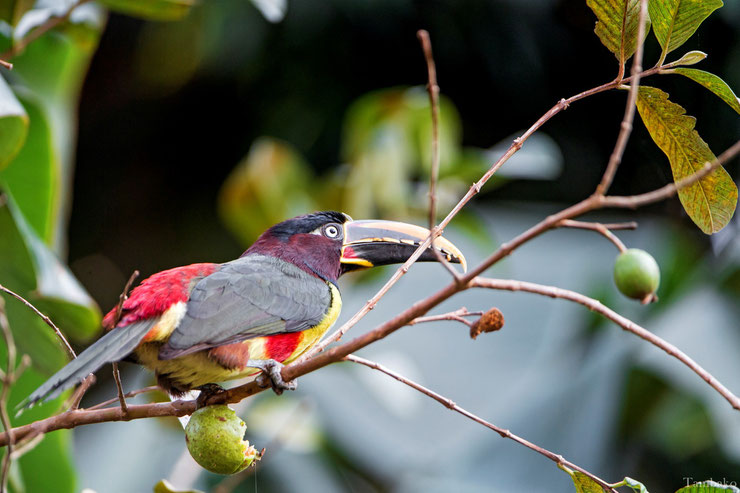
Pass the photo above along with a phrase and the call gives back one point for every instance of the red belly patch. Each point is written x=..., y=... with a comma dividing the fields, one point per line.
x=281, y=346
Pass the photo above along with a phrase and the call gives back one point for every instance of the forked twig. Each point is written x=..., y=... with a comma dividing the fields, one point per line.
x=603, y=229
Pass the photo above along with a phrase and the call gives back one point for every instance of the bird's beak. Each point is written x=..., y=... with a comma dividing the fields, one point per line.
x=372, y=242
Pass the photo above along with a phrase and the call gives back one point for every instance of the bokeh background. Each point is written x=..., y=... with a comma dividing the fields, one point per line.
x=179, y=141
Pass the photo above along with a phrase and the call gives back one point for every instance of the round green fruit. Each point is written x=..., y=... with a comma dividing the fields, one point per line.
x=636, y=274
x=215, y=439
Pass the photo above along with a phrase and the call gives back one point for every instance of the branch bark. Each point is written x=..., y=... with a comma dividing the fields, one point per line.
x=625, y=323
x=504, y=433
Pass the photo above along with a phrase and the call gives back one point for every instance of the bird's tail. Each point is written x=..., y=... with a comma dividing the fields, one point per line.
x=113, y=346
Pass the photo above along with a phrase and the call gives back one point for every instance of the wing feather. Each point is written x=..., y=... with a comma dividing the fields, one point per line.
x=249, y=297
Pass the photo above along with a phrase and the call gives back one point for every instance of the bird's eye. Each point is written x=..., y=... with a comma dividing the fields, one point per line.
x=331, y=231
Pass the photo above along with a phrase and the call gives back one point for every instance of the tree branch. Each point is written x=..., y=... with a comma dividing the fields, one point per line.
x=472, y=192
x=625, y=323
x=433, y=90
x=73, y=418
x=456, y=316
x=449, y=404
x=603, y=229
x=629, y=112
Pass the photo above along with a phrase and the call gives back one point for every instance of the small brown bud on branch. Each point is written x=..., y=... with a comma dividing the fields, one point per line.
x=490, y=321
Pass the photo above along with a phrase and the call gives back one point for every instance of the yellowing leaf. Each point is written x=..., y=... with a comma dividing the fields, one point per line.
x=617, y=25
x=711, y=82
x=674, y=21
x=711, y=201
x=585, y=484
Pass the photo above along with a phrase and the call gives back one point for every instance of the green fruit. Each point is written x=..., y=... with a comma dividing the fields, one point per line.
x=636, y=274
x=215, y=439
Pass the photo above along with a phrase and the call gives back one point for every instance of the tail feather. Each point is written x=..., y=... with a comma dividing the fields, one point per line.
x=113, y=346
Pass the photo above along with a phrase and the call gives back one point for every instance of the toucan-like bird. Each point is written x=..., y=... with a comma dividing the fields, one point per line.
x=206, y=323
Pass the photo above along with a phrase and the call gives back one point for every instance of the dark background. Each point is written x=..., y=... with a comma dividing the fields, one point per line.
x=156, y=153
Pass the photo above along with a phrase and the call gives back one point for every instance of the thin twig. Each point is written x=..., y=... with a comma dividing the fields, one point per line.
x=472, y=192
x=124, y=296
x=599, y=228
x=80, y=391
x=629, y=112
x=133, y=393
x=36, y=33
x=456, y=316
x=26, y=446
x=5, y=393
x=625, y=323
x=433, y=90
x=44, y=318
x=119, y=388
x=504, y=433
x=117, y=318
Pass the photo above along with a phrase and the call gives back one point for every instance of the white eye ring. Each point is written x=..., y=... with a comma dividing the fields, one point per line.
x=331, y=231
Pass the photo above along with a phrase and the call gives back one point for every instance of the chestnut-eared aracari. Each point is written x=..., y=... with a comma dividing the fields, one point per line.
x=205, y=323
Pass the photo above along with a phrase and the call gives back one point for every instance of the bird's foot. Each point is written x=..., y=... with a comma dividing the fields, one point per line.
x=271, y=376
x=206, y=392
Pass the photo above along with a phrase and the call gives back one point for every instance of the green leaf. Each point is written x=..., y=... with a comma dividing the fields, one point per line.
x=690, y=58
x=635, y=485
x=29, y=268
x=53, y=456
x=11, y=11
x=712, y=200
x=52, y=69
x=709, y=487
x=612, y=16
x=13, y=124
x=675, y=21
x=156, y=10
x=711, y=82
x=32, y=176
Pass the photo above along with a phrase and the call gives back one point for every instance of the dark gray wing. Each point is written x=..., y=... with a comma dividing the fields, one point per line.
x=249, y=297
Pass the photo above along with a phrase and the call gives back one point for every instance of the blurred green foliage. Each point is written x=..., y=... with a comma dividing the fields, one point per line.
x=384, y=170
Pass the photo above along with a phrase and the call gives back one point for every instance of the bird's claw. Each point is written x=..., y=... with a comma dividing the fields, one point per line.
x=271, y=375
x=206, y=391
